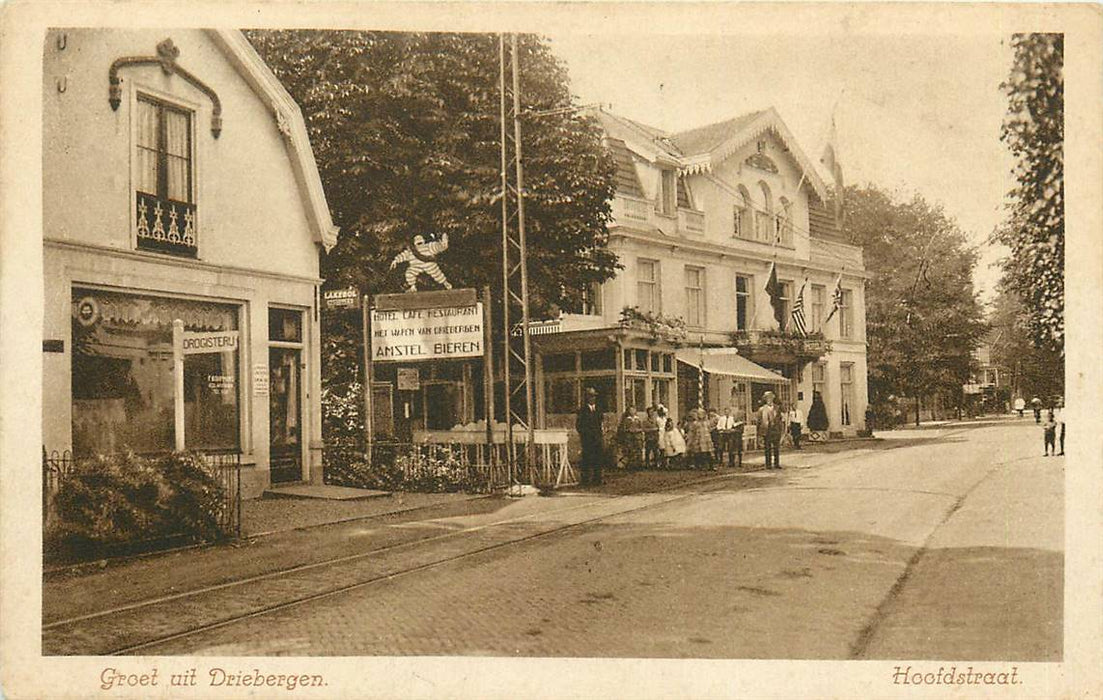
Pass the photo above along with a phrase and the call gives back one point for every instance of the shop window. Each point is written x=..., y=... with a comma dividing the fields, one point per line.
x=641, y=360
x=660, y=391
x=628, y=357
x=656, y=361
x=668, y=363
x=635, y=393
x=285, y=325
x=163, y=178
x=559, y=362
x=606, y=388
x=561, y=396
x=599, y=359
x=122, y=375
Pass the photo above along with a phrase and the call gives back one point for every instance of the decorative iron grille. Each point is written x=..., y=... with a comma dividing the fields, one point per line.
x=166, y=226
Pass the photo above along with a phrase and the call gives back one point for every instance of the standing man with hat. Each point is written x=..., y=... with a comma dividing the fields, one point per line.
x=769, y=426
x=588, y=425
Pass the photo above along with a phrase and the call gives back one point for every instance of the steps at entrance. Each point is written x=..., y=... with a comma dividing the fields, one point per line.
x=323, y=492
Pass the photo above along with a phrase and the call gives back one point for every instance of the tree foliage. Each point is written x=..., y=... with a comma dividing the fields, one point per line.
x=1033, y=371
x=1033, y=130
x=923, y=319
x=406, y=133
x=405, y=129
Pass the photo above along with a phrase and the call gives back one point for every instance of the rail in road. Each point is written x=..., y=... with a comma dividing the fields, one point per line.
x=143, y=625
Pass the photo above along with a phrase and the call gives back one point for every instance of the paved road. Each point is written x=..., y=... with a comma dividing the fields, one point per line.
x=948, y=546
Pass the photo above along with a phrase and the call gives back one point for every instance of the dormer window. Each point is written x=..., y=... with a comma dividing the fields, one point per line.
x=164, y=178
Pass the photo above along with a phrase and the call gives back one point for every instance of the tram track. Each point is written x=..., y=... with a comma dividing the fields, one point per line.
x=147, y=623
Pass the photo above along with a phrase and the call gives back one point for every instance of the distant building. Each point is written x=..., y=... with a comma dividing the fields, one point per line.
x=179, y=184
x=700, y=216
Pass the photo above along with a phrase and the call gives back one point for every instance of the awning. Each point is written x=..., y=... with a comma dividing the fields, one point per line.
x=726, y=361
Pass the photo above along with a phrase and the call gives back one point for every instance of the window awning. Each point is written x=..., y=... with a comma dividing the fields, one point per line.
x=726, y=361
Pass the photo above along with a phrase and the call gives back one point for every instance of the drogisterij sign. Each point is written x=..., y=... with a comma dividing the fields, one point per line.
x=440, y=333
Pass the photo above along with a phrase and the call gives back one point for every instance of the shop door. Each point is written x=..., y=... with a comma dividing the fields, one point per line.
x=284, y=415
x=443, y=405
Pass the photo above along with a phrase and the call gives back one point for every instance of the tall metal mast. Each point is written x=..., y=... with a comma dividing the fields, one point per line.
x=517, y=357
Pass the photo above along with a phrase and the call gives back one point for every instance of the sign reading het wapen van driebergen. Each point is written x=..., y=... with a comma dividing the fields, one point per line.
x=443, y=333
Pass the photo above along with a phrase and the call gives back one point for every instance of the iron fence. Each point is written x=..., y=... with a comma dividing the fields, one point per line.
x=225, y=465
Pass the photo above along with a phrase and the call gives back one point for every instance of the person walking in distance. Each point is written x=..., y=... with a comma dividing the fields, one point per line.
x=588, y=425
x=1049, y=428
x=769, y=422
x=1059, y=417
x=725, y=423
x=796, y=424
x=1036, y=406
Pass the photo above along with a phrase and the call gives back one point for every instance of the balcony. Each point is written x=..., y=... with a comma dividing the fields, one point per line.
x=165, y=226
x=640, y=213
x=780, y=347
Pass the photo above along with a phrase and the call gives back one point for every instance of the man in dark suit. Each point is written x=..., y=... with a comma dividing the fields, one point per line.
x=588, y=425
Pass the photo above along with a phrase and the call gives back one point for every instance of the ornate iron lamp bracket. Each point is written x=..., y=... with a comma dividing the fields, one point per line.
x=167, y=53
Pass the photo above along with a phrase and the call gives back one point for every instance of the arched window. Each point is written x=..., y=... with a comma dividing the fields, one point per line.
x=764, y=217
x=785, y=222
x=743, y=215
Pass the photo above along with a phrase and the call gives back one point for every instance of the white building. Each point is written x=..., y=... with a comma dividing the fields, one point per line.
x=700, y=217
x=179, y=183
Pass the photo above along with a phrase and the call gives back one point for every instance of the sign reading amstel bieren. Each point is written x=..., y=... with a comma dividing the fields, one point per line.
x=441, y=333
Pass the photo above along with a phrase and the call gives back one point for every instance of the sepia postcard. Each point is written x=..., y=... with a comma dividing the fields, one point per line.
x=550, y=350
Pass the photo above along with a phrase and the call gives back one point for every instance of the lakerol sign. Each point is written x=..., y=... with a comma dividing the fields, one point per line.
x=409, y=335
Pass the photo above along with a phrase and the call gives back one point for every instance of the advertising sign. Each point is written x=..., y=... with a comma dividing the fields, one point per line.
x=409, y=379
x=219, y=341
x=348, y=298
x=442, y=333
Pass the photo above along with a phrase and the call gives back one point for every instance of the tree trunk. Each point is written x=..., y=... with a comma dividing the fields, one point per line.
x=917, y=410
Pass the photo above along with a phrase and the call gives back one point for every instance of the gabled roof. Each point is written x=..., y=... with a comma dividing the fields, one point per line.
x=704, y=139
x=289, y=120
x=705, y=147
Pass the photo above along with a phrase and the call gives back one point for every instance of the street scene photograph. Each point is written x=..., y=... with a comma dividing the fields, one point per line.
x=552, y=344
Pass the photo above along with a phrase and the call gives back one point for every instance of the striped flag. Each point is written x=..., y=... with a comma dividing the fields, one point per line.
x=798, y=311
x=836, y=298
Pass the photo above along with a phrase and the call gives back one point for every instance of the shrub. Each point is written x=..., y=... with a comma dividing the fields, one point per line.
x=401, y=467
x=124, y=501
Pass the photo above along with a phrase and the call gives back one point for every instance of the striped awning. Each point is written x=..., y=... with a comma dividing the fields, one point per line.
x=728, y=362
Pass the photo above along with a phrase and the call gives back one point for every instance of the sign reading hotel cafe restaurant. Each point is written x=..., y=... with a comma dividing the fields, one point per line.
x=183, y=219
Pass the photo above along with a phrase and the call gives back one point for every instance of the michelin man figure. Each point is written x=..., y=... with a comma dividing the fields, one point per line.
x=420, y=258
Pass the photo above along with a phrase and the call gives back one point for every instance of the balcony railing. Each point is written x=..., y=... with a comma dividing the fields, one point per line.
x=691, y=221
x=165, y=226
x=632, y=210
x=781, y=346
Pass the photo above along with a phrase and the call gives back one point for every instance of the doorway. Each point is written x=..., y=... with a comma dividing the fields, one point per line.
x=284, y=415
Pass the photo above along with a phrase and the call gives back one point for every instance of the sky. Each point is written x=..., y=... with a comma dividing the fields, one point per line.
x=913, y=113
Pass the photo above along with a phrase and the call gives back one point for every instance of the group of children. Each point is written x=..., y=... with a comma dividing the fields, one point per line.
x=655, y=441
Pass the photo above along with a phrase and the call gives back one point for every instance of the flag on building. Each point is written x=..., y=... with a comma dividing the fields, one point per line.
x=836, y=298
x=798, y=311
x=773, y=290
x=830, y=160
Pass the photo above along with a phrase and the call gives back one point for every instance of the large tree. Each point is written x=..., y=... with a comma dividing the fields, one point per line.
x=405, y=129
x=1034, y=131
x=923, y=319
x=1033, y=371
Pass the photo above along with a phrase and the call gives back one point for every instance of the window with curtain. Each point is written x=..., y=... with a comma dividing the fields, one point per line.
x=647, y=285
x=846, y=315
x=786, y=303
x=695, y=296
x=743, y=302
x=668, y=194
x=164, y=151
x=743, y=215
x=764, y=217
x=846, y=384
x=819, y=295
x=785, y=223
x=164, y=199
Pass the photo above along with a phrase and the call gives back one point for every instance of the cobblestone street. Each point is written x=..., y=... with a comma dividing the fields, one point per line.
x=805, y=563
